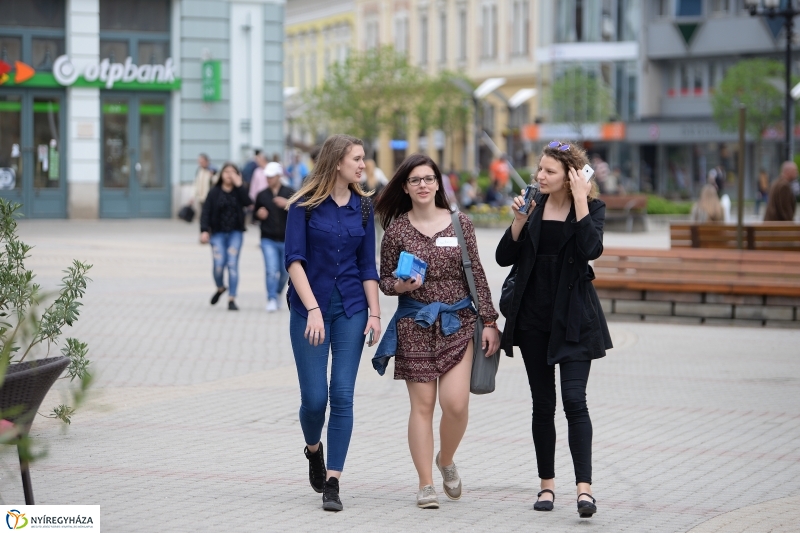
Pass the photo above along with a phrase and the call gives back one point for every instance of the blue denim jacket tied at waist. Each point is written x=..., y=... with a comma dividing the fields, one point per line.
x=425, y=316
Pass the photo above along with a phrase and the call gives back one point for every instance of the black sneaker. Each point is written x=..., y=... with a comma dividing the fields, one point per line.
x=316, y=468
x=232, y=306
x=330, y=496
x=215, y=298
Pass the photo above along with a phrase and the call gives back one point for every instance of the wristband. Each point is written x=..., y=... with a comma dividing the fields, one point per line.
x=375, y=316
x=490, y=325
x=309, y=310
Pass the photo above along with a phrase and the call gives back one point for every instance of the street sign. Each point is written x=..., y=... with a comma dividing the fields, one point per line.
x=212, y=80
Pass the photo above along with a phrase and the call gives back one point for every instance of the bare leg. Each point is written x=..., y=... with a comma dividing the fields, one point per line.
x=420, y=428
x=547, y=484
x=584, y=487
x=454, y=401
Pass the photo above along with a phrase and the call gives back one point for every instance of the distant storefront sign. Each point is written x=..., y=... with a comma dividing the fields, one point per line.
x=608, y=131
x=105, y=74
x=212, y=80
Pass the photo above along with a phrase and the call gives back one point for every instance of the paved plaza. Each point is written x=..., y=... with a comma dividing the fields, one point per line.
x=192, y=424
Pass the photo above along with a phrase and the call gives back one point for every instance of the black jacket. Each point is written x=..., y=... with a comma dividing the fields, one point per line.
x=209, y=218
x=274, y=226
x=579, y=329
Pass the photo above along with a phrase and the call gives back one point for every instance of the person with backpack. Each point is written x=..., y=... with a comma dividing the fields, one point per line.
x=431, y=334
x=333, y=297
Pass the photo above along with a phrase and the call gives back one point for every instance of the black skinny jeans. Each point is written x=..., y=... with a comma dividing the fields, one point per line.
x=542, y=380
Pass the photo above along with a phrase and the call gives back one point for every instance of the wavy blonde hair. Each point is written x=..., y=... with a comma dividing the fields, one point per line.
x=319, y=184
x=575, y=158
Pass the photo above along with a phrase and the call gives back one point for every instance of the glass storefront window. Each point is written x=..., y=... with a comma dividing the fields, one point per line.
x=152, y=141
x=134, y=15
x=679, y=171
x=114, y=51
x=116, y=163
x=10, y=49
x=47, y=152
x=153, y=53
x=45, y=51
x=33, y=14
x=10, y=141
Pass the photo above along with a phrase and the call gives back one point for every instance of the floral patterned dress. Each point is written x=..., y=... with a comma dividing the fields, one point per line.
x=424, y=354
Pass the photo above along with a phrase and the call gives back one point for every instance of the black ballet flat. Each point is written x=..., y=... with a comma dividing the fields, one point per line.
x=544, y=505
x=586, y=509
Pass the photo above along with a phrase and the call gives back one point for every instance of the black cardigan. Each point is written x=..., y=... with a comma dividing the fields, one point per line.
x=209, y=218
x=579, y=329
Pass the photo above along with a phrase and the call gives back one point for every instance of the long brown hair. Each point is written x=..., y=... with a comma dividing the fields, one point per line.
x=575, y=158
x=319, y=184
x=227, y=164
x=394, y=201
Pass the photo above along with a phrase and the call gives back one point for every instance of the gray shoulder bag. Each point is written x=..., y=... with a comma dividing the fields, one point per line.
x=484, y=369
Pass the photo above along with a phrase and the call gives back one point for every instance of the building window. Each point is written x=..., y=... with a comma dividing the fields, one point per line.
x=32, y=32
x=372, y=34
x=688, y=8
x=661, y=8
x=289, y=72
x=134, y=15
x=521, y=27
x=579, y=21
x=423, y=39
x=721, y=6
x=39, y=14
x=462, y=33
x=401, y=33
x=443, y=37
x=489, y=33
x=301, y=72
x=312, y=64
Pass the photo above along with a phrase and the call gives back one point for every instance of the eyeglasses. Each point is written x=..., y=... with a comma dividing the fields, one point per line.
x=429, y=180
x=556, y=145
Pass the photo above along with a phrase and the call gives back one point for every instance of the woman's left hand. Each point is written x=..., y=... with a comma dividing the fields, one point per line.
x=579, y=186
x=491, y=341
x=374, y=324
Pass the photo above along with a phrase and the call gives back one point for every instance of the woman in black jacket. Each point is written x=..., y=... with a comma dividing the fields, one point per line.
x=554, y=314
x=222, y=224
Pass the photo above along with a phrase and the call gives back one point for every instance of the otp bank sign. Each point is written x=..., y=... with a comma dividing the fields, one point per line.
x=109, y=73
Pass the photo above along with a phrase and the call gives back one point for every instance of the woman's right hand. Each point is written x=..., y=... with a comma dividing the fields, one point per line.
x=516, y=204
x=315, y=328
x=204, y=237
x=408, y=285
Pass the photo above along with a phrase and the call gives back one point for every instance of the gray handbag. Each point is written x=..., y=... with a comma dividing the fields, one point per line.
x=484, y=369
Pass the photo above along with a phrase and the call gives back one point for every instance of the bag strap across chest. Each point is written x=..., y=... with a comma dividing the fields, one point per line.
x=465, y=260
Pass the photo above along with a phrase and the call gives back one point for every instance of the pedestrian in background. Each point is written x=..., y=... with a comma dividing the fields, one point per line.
x=205, y=177
x=498, y=174
x=298, y=171
x=417, y=216
x=708, y=207
x=222, y=224
x=270, y=209
x=469, y=193
x=762, y=193
x=330, y=256
x=249, y=168
x=374, y=181
x=782, y=202
x=259, y=180
x=555, y=316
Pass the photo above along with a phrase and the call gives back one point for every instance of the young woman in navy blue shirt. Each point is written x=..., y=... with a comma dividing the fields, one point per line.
x=330, y=257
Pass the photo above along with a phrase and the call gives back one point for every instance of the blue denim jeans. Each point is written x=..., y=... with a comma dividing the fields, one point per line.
x=274, y=264
x=225, y=248
x=344, y=339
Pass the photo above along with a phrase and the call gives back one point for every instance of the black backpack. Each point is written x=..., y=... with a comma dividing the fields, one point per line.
x=366, y=207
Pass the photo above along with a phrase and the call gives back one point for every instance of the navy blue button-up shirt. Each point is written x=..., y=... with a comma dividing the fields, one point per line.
x=335, y=251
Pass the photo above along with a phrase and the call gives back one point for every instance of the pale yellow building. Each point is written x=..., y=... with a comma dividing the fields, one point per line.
x=481, y=38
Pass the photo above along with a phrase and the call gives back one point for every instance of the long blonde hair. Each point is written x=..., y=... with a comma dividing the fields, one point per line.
x=320, y=183
x=709, y=204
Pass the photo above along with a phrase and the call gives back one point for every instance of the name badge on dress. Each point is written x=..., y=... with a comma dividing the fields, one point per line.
x=447, y=241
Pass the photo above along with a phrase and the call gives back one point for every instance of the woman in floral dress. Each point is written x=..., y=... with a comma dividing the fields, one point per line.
x=414, y=210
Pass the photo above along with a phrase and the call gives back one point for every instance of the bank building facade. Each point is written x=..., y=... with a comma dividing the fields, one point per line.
x=106, y=104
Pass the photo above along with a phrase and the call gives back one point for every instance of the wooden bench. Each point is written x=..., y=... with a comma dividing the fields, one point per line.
x=768, y=236
x=702, y=286
x=626, y=207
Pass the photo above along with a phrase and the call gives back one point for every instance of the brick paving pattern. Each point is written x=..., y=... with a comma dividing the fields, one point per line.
x=192, y=422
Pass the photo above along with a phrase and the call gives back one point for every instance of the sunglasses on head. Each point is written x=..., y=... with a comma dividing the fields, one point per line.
x=556, y=145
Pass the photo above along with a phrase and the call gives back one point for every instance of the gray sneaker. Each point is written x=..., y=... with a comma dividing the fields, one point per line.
x=452, y=481
x=426, y=498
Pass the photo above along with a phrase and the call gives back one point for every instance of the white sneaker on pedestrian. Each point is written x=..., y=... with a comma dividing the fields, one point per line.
x=272, y=306
x=426, y=498
x=452, y=481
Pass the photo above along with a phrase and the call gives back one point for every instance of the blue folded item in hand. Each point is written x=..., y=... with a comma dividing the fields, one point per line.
x=409, y=266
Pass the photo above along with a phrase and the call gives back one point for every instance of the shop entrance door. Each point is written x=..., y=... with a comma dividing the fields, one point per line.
x=134, y=154
x=32, y=152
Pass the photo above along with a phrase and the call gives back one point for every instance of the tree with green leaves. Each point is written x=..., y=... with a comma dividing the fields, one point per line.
x=380, y=90
x=753, y=83
x=578, y=97
x=32, y=321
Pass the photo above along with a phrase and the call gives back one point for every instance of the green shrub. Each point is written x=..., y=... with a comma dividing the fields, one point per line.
x=656, y=205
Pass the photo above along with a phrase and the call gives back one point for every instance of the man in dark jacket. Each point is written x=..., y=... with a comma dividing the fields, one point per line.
x=270, y=209
x=781, y=201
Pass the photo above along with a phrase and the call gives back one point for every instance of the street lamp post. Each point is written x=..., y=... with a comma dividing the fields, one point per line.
x=772, y=9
